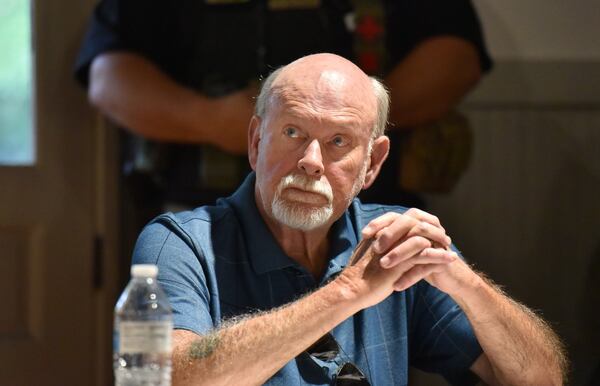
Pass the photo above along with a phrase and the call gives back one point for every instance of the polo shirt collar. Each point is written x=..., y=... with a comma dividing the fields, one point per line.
x=342, y=241
x=264, y=252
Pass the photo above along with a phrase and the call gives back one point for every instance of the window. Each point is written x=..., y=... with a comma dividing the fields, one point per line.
x=16, y=112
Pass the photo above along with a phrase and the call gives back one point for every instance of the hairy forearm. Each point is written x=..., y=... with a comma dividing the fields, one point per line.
x=251, y=349
x=431, y=80
x=521, y=348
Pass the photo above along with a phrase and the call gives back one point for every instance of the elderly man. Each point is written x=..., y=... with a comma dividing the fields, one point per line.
x=257, y=279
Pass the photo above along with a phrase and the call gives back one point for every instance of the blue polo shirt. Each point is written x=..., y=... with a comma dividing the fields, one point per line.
x=216, y=262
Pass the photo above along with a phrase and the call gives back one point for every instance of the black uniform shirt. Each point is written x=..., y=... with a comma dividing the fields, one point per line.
x=219, y=48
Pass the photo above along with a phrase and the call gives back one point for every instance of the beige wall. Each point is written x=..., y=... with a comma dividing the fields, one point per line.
x=541, y=29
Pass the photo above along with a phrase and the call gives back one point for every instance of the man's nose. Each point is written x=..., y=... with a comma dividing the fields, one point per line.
x=312, y=161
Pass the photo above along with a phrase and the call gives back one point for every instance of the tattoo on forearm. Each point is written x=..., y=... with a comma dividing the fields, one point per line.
x=203, y=347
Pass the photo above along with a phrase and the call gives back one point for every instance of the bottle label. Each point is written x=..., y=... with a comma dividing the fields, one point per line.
x=145, y=337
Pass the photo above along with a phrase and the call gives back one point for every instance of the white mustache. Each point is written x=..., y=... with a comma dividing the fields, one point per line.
x=307, y=184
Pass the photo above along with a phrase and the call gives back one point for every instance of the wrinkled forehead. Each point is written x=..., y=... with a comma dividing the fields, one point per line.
x=326, y=90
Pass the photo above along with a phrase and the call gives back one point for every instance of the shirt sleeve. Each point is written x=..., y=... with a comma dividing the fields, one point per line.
x=128, y=25
x=180, y=275
x=411, y=22
x=443, y=340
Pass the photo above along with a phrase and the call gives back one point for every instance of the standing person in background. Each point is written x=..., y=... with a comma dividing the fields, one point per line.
x=180, y=77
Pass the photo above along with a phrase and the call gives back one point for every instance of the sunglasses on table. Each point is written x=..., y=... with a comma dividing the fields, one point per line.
x=326, y=349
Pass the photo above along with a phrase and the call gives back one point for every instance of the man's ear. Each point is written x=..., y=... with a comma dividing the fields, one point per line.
x=379, y=153
x=253, y=140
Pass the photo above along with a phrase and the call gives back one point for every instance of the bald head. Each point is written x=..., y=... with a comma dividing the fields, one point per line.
x=327, y=80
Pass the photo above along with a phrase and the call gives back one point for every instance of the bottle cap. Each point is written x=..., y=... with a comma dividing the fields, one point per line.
x=144, y=270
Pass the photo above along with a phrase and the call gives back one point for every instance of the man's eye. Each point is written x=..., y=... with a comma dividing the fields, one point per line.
x=291, y=132
x=339, y=141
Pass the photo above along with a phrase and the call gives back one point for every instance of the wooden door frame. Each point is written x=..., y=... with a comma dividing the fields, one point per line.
x=107, y=244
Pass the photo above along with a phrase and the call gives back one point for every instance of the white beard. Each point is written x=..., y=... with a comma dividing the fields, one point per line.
x=302, y=216
x=306, y=216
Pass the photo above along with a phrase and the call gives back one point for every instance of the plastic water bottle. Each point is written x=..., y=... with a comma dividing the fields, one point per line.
x=142, y=331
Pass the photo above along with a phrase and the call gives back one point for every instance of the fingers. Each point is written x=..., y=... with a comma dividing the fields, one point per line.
x=436, y=234
x=394, y=232
x=379, y=223
x=423, y=216
x=421, y=265
x=441, y=253
x=404, y=251
x=405, y=227
x=416, y=273
x=386, y=219
x=402, y=258
x=402, y=237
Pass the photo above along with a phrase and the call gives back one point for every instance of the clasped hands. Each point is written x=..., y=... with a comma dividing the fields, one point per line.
x=398, y=250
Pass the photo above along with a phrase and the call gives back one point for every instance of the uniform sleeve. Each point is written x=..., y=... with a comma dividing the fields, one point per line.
x=411, y=22
x=129, y=25
x=180, y=274
x=443, y=340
